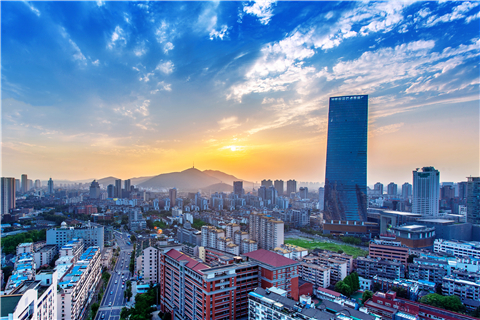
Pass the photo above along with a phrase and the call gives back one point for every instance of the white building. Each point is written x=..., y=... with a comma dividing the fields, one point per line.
x=25, y=248
x=45, y=255
x=318, y=275
x=91, y=235
x=458, y=248
x=426, y=191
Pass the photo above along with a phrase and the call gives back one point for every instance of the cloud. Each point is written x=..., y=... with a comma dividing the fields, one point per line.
x=168, y=47
x=96, y=63
x=164, y=86
x=214, y=34
x=140, y=50
x=146, y=77
x=458, y=12
x=262, y=9
x=77, y=53
x=118, y=37
x=100, y=3
x=134, y=110
x=166, y=67
x=31, y=7
x=228, y=123
x=471, y=18
x=385, y=129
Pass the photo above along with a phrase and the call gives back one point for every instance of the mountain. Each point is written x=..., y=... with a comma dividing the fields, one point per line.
x=108, y=180
x=188, y=180
x=227, y=178
x=137, y=181
x=219, y=187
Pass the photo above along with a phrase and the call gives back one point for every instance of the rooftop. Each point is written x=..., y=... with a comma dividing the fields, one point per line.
x=270, y=258
x=8, y=304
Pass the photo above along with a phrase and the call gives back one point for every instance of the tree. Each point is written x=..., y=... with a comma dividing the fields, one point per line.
x=452, y=303
x=377, y=287
x=367, y=294
x=150, y=224
x=401, y=292
x=124, y=313
x=343, y=288
x=476, y=313
x=411, y=257
x=133, y=238
x=94, y=309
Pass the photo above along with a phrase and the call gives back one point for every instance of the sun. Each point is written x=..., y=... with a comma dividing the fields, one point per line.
x=233, y=148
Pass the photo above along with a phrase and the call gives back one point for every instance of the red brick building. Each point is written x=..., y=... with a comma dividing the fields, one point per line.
x=87, y=209
x=276, y=271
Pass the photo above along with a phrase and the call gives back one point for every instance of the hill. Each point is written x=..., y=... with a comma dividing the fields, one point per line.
x=228, y=178
x=188, y=180
x=219, y=187
x=108, y=180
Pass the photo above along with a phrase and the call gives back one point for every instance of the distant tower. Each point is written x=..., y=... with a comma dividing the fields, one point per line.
x=118, y=188
x=321, y=198
x=238, y=188
x=392, y=189
x=473, y=200
x=303, y=192
x=173, y=196
x=378, y=188
x=406, y=190
x=24, y=183
x=38, y=184
x=426, y=191
x=262, y=193
x=278, y=184
x=94, y=190
x=111, y=191
x=267, y=183
x=7, y=194
x=346, y=166
x=127, y=185
x=50, y=186
x=291, y=187
x=271, y=195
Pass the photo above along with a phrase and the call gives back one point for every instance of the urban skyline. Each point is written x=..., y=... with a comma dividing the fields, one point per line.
x=97, y=89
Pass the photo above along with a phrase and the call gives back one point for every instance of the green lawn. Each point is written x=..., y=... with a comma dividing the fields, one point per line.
x=311, y=244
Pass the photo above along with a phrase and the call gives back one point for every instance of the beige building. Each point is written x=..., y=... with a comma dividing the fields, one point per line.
x=268, y=232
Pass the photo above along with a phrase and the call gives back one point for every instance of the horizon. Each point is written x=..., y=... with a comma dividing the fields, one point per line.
x=128, y=89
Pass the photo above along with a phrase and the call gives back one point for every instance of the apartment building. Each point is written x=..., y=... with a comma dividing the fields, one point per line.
x=230, y=229
x=427, y=272
x=73, y=248
x=92, y=235
x=457, y=248
x=34, y=299
x=369, y=267
x=388, y=250
x=45, y=255
x=464, y=289
x=266, y=230
x=190, y=236
x=24, y=269
x=248, y=245
x=77, y=285
x=25, y=248
x=338, y=268
x=317, y=275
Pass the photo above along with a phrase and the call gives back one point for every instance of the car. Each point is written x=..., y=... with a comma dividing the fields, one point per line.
x=111, y=292
x=103, y=316
x=123, y=286
x=116, y=281
x=110, y=303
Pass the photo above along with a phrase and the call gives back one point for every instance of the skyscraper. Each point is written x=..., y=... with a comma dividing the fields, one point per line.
x=378, y=188
x=303, y=192
x=266, y=183
x=38, y=184
x=462, y=190
x=426, y=191
x=111, y=191
x=271, y=195
x=127, y=185
x=118, y=188
x=473, y=200
x=321, y=198
x=278, y=184
x=50, y=186
x=7, y=194
x=406, y=190
x=94, y=190
x=262, y=193
x=24, y=183
x=238, y=188
x=392, y=189
x=346, y=168
x=291, y=187
x=173, y=196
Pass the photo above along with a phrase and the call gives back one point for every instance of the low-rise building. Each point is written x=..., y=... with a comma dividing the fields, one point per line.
x=464, y=289
x=317, y=275
x=369, y=267
x=45, y=255
x=458, y=248
x=388, y=250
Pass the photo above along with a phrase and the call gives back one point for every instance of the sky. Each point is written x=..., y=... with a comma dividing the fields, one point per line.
x=131, y=89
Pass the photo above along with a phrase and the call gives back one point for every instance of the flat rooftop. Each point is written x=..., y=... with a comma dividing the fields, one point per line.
x=437, y=221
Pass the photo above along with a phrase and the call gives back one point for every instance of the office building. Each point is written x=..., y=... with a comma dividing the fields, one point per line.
x=267, y=183
x=346, y=166
x=473, y=200
x=238, y=188
x=111, y=191
x=38, y=184
x=50, y=187
x=118, y=188
x=127, y=185
x=24, y=183
x=278, y=184
x=388, y=250
x=7, y=194
x=378, y=188
x=77, y=285
x=426, y=191
x=392, y=189
x=172, y=194
x=34, y=299
x=267, y=231
x=406, y=190
x=291, y=187
x=92, y=235
x=462, y=190
x=94, y=190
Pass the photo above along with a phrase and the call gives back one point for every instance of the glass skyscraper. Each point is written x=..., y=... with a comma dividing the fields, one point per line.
x=346, y=170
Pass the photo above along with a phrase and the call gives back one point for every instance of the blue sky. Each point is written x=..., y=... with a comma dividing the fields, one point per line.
x=91, y=89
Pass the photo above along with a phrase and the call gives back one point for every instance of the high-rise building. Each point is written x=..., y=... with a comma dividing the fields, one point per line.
x=24, y=183
x=91, y=235
x=462, y=190
x=473, y=200
x=238, y=188
x=29, y=184
x=38, y=184
x=321, y=198
x=271, y=195
x=173, y=196
x=406, y=190
x=392, y=189
x=111, y=191
x=278, y=184
x=94, y=190
x=127, y=185
x=378, y=188
x=426, y=191
x=266, y=183
x=267, y=231
x=18, y=185
x=118, y=188
x=303, y=192
x=291, y=187
x=346, y=167
x=8, y=194
x=50, y=186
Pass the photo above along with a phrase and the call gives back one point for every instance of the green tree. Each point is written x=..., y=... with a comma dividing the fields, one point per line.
x=411, y=257
x=133, y=238
x=124, y=313
x=343, y=288
x=367, y=294
x=150, y=224
x=452, y=303
x=476, y=313
x=94, y=309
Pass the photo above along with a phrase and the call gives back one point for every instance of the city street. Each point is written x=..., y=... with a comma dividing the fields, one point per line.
x=113, y=299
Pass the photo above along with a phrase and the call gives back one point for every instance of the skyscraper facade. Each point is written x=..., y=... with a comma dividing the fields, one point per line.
x=426, y=191
x=7, y=194
x=346, y=168
x=238, y=188
x=473, y=200
x=24, y=183
x=321, y=198
x=127, y=185
x=173, y=196
x=291, y=187
x=118, y=188
x=50, y=186
x=38, y=184
x=278, y=184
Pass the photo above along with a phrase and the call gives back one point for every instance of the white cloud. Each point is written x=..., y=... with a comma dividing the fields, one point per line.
x=168, y=47
x=164, y=86
x=100, y=3
x=140, y=50
x=262, y=9
x=458, y=12
x=473, y=17
x=214, y=34
x=77, y=53
x=118, y=37
x=385, y=129
x=228, y=123
x=34, y=10
x=96, y=63
x=134, y=110
x=146, y=77
x=166, y=67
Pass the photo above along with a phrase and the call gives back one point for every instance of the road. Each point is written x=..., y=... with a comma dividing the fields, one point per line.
x=113, y=300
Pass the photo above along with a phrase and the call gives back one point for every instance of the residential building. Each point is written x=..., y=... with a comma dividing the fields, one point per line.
x=321, y=198
x=24, y=183
x=426, y=191
x=369, y=267
x=50, y=187
x=303, y=193
x=7, y=195
x=266, y=183
x=392, y=189
x=24, y=269
x=111, y=191
x=426, y=272
x=317, y=275
x=268, y=232
x=94, y=190
x=464, y=289
x=136, y=222
x=92, y=235
x=278, y=184
x=26, y=247
x=291, y=187
x=45, y=255
x=339, y=268
x=457, y=248
x=388, y=250
x=118, y=189
x=378, y=188
x=406, y=190
x=238, y=188
x=473, y=200
x=189, y=235
x=248, y=245
x=346, y=165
